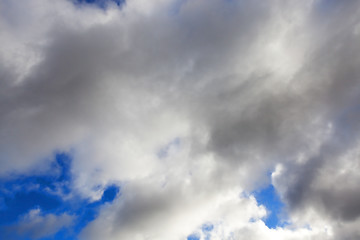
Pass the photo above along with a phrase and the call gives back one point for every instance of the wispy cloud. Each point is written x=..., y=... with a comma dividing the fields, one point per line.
x=36, y=226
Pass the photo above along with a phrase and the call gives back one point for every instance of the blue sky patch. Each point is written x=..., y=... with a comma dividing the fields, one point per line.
x=22, y=194
x=271, y=200
x=206, y=232
x=193, y=236
x=109, y=194
x=208, y=227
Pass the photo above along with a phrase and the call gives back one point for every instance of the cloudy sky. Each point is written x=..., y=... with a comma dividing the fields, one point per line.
x=180, y=119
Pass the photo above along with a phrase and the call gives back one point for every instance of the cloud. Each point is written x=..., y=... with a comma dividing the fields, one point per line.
x=36, y=225
x=243, y=88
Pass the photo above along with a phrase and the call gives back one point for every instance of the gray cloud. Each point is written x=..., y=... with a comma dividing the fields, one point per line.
x=245, y=86
x=326, y=180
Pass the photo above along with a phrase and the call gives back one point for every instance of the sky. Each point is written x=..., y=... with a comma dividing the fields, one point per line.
x=179, y=119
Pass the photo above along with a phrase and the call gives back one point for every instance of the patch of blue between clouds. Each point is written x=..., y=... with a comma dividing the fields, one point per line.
x=51, y=193
x=206, y=229
x=100, y=3
x=269, y=198
x=194, y=236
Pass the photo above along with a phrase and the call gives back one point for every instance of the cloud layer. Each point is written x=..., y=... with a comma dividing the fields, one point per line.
x=188, y=105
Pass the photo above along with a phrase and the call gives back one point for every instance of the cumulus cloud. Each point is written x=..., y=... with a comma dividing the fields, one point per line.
x=228, y=90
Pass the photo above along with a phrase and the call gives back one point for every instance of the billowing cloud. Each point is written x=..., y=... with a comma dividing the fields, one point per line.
x=188, y=106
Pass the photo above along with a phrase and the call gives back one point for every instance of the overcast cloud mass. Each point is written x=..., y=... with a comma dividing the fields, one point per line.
x=188, y=107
